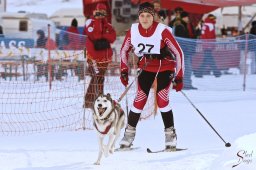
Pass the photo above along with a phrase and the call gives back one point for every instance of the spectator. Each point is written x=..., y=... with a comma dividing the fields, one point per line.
x=157, y=6
x=160, y=14
x=176, y=20
x=234, y=32
x=98, y=51
x=41, y=39
x=224, y=32
x=63, y=39
x=152, y=42
x=209, y=36
x=73, y=36
x=182, y=30
x=253, y=28
x=1, y=31
x=163, y=17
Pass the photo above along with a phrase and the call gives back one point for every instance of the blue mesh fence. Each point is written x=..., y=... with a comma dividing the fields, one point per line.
x=220, y=58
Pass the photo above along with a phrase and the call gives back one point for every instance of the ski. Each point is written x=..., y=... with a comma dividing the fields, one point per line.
x=166, y=150
x=126, y=149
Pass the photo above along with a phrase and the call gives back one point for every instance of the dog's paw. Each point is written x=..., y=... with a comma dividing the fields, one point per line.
x=97, y=163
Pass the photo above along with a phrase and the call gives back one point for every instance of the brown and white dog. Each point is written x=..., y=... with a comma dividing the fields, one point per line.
x=108, y=119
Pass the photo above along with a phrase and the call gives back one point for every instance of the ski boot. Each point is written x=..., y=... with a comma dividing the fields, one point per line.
x=170, y=139
x=128, y=138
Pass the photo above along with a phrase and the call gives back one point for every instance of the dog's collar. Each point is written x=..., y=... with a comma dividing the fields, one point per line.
x=106, y=130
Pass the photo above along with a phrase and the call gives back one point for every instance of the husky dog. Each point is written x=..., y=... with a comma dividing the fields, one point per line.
x=108, y=119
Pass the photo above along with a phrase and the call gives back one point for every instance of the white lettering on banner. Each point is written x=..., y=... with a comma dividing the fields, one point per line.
x=231, y=47
x=219, y=47
x=199, y=48
x=21, y=44
x=2, y=44
x=12, y=44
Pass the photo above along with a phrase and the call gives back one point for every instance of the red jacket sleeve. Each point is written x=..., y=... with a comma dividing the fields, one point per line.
x=93, y=29
x=97, y=29
x=175, y=48
x=109, y=33
x=124, y=53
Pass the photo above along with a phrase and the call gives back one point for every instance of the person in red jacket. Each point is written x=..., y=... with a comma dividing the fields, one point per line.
x=160, y=57
x=100, y=34
x=208, y=34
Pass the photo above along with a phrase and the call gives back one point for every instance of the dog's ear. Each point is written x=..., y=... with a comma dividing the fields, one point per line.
x=109, y=97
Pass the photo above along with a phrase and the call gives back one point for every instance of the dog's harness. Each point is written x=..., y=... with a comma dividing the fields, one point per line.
x=106, y=130
x=108, y=127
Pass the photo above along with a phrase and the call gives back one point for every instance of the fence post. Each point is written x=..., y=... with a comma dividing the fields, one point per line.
x=23, y=67
x=49, y=59
x=84, y=116
x=245, y=60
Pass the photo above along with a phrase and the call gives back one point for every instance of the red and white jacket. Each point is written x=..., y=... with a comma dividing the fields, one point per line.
x=151, y=37
x=208, y=33
x=96, y=29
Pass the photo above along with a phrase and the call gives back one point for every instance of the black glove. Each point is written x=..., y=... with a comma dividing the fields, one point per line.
x=178, y=84
x=101, y=44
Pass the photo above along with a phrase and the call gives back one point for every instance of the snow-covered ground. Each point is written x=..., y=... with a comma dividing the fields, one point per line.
x=224, y=104
x=231, y=113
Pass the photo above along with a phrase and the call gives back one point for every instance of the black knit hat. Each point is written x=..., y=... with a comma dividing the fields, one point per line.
x=211, y=16
x=254, y=23
x=162, y=14
x=183, y=14
x=178, y=9
x=74, y=23
x=146, y=7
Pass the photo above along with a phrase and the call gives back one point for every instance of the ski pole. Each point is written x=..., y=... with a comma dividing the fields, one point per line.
x=126, y=103
x=227, y=144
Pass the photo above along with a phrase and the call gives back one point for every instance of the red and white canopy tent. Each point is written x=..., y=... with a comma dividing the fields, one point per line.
x=203, y=6
x=196, y=7
x=191, y=6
